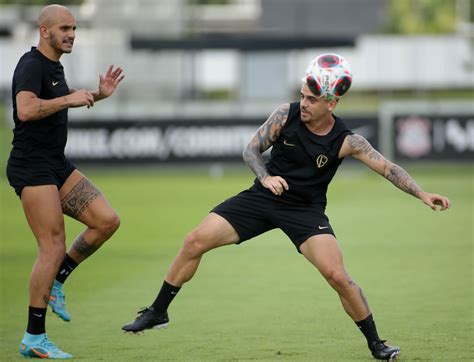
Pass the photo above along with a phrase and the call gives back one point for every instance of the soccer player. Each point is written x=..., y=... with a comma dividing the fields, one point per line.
x=309, y=143
x=47, y=183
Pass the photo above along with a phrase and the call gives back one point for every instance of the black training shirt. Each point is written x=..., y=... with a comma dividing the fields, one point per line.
x=306, y=161
x=39, y=142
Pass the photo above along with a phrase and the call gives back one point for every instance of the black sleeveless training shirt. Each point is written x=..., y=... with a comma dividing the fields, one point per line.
x=306, y=161
x=41, y=142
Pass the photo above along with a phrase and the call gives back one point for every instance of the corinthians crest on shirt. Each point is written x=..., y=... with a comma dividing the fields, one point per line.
x=321, y=160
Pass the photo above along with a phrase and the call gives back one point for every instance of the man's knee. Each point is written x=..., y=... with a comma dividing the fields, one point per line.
x=109, y=223
x=53, y=247
x=194, y=244
x=338, y=279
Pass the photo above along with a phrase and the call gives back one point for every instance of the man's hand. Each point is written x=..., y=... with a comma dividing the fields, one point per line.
x=109, y=82
x=275, y=184
x=80, y=98
x=433, y=200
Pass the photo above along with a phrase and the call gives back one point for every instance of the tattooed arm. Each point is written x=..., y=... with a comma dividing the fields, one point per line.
x=266, y=135
x=32, y=108
x=358, y=147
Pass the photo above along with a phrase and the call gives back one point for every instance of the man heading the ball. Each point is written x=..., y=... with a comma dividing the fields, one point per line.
x=308, y=144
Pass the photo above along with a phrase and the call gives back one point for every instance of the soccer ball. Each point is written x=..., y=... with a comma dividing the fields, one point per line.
x=329, y=76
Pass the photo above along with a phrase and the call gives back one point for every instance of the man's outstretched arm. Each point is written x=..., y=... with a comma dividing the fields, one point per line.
x=32, y=108
x=358, y=147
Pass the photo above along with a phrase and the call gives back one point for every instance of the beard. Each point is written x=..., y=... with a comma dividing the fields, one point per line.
x=306, y=119
x=56, y=44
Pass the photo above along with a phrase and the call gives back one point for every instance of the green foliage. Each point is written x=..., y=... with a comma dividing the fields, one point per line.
x=421, y=17
x=221, y=94
x=260, y=300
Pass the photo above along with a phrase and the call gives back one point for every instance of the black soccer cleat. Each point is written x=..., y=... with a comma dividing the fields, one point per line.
x=384, y=352
x=147, y=319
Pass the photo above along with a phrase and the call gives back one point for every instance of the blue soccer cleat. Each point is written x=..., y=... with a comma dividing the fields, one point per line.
x=57, y=302
x=39, y=346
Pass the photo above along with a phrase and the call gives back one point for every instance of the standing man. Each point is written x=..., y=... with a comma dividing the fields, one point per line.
x=309, y=143
x=48, y=184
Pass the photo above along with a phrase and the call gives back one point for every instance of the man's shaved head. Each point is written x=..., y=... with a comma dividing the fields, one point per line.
x=51, y=14
x=57, y=27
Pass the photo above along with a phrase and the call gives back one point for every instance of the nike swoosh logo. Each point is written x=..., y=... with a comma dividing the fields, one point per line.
x=323, y=227
x=285, y=142
x=37, y=315
x=55, y=83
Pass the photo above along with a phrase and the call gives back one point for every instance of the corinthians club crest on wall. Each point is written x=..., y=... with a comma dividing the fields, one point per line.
x=321, y=160
x=413, y=139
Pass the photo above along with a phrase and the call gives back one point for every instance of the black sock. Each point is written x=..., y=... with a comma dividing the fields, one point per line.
x=36, y=320
x=367, y=327
x=165, y=297
x=66, y=268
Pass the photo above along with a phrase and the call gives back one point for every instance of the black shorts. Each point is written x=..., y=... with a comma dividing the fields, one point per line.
x=20, y=175
x=252, y=213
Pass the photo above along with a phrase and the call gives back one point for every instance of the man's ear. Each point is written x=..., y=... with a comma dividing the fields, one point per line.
x=332, y=104
x=44, y=32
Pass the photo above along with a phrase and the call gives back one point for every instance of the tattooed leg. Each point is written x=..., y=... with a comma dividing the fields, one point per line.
x=46, y=297
x=364, y=299
x=79, y=198
x=85, y=203
x=361, y=293
x=82, y=247
x=74, y=205
x=323, y=252
x=353, y=299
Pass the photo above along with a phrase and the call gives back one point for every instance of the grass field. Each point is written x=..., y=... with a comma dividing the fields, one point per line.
x=260, y=300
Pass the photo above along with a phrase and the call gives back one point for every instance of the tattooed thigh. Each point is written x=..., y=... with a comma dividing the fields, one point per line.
x=79, y=198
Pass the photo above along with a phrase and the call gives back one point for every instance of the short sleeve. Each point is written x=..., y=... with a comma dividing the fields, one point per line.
x=28, y=76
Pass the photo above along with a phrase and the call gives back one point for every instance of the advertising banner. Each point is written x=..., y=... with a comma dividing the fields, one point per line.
x=166, y=141
x=158, y=141
x=434, y=137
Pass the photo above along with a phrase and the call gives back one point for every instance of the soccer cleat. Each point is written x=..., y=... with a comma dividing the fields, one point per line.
x=147, y=319
x=57, y=302
x=384, y=352
x=39, y=346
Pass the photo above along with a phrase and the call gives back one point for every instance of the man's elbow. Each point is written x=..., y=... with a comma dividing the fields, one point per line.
x=247, y=152
x=244, y=155
x=24, y=115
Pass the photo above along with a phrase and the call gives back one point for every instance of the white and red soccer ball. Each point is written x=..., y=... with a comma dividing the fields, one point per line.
x=329, y=76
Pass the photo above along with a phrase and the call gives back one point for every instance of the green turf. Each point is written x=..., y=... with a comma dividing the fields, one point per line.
x=260, y=300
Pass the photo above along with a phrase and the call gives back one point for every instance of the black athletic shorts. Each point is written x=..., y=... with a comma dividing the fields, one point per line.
x=252, y=213
x=21, y=175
